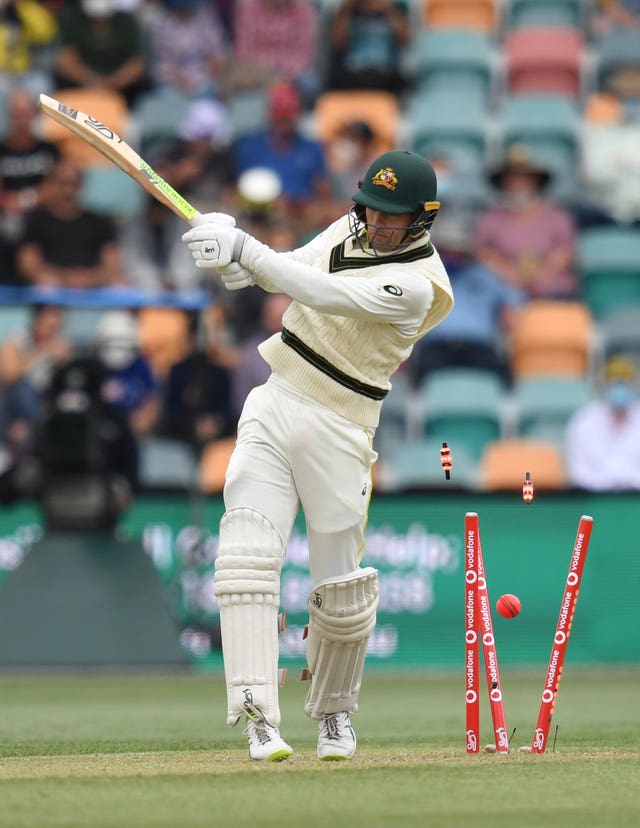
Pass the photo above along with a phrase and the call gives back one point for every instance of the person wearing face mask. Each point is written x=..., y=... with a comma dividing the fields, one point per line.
x=603, y=437
x=128, y=386
x=527, y=238
x=101, y=47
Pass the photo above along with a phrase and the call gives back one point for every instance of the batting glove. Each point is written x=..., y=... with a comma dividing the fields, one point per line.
x=214, y=218
x=236, y=277
x=214, y=245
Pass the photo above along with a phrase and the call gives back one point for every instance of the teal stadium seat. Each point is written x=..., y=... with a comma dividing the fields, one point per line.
x=109, y=190
x=158, y=115
x=416, y=465
x=546, y=123
x=616, y=50
x=166, y=464
x=452, y=125
x=395, y=417
x=463, y=408
x=81, y=324
x=455, y=61
x=549, y=126
x=620, y=331
x=14, y=319
x=609, y=259
x=543, y=405
x=545, y=13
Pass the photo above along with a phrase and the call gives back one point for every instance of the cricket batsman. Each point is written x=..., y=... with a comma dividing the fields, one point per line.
x=364, y=291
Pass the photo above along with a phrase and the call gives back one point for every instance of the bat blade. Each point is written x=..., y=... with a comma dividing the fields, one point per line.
x=102, y=138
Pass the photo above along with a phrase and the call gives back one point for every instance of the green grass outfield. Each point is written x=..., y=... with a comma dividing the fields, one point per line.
x=154, y=751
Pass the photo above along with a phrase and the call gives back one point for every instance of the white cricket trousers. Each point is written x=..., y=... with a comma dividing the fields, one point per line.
x=293, y=451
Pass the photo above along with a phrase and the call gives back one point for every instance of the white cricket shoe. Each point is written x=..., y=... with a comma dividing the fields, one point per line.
x=265, y=742
x=336, y=737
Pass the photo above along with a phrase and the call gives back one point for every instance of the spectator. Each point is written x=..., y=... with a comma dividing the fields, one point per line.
x=527, y=239
x=349, y=155
x=251, y=369
x=25, y=160
x=186, y=42
x=64, y=244
x=610, y=15
x=472, y=336
x=101, y=47
x=198, y=164
x=27, y=30
x=367, y=41
x=298, y=161
x=128, y=389
x=610, y=158
x=278, y=39
x=27, y=363
x=198, y=405
x=603, y=437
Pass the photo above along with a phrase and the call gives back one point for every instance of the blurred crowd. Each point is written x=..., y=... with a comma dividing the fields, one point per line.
x=271, y=110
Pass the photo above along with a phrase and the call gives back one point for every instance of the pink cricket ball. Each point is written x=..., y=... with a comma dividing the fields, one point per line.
x=508, y=605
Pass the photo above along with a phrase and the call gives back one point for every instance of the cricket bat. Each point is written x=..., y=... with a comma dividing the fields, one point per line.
x=111, y=145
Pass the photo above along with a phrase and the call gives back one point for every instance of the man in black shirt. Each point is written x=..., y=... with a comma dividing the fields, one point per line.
x=25, y=161
x=64, y=244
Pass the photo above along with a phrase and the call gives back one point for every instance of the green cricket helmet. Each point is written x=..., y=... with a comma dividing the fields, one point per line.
x=398, y=182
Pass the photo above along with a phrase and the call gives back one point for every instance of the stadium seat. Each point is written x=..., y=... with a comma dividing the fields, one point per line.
x=213, y=464
x=454, y=60
x=416, y=464
x=81, y=324
x=609, y=258
x=164, y=337
x=544, y=60
x=395, y=417
x=462, y=407
x=166, y=464
x=108, y=107
x=504, y=465
x=109, y=190
x=522, y=13
x=247, y=111
x=14, y=319
x=542, y=405
x=158, y=116
x=552, y=339
x=620, y=331
x=548, y=124
x=479, y=15
x=616, y=50
x=455, y=126
x=380, y=110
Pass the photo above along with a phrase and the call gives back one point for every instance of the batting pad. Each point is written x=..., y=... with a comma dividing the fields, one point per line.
x=247, y=585
x=342, y=614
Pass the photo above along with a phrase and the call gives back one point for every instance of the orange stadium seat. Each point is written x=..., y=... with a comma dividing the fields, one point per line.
x=544, y=59
x=108, y=107
x=504, y=464
x=380, y=110
x=481, y=15
x=213, y=464
x=164, y=337
x=553, y=339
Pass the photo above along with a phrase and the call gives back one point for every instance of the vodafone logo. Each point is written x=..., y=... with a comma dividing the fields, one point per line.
x=560, y=637
x=496, y=694
x=572, y=579
x=547, y=696
x=470, y=576
x=471, y=636
x=487, y=639
x=482, y=584
x=471, y=697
